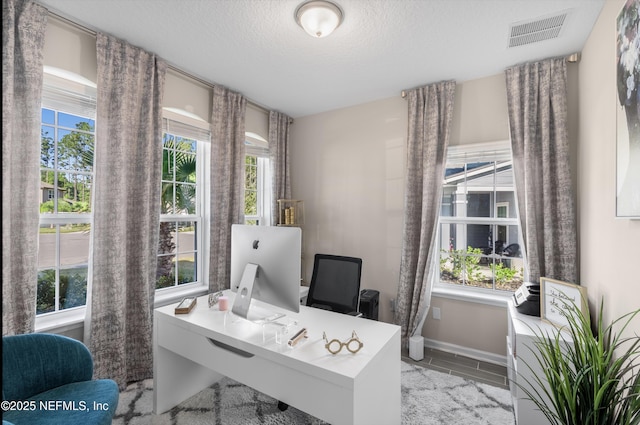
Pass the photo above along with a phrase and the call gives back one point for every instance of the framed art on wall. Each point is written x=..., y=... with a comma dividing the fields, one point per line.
x=628, y=111
x=557, y=296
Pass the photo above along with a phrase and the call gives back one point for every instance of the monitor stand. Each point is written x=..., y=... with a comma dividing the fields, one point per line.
x=242, y=303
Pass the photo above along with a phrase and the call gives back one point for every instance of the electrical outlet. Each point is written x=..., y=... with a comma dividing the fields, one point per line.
x=436, y=313
x=393, y=304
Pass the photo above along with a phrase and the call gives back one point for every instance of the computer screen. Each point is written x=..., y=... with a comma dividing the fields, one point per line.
x=265, y=266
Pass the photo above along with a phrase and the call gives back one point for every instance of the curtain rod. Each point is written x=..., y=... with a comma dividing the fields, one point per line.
x=172, y=67
x=572, y=58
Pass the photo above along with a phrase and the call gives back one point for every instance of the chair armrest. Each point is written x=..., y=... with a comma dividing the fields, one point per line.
x=34, y=363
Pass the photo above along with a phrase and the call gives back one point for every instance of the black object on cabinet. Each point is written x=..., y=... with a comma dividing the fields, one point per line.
x=369, y=300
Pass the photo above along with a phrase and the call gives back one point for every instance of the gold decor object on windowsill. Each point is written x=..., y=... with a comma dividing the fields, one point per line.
x=290, y=212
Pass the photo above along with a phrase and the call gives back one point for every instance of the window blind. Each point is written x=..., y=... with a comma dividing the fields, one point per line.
x=185, y=130
x=69, y=96
x=480, y=152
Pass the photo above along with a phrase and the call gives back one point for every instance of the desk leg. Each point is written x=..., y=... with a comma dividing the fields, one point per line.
x=378, y=388
x=175, y=379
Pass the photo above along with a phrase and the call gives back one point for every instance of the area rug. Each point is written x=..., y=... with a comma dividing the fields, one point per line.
x=428, y=398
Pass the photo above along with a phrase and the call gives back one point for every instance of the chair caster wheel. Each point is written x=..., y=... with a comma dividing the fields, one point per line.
x=282, y=406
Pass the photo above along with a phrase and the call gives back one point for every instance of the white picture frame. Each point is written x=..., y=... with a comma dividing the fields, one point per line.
x=555, y=298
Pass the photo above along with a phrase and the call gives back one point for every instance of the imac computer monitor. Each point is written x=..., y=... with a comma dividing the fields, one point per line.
x=265, y=266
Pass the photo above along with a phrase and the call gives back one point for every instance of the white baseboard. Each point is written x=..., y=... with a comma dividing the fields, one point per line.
x=480, y=355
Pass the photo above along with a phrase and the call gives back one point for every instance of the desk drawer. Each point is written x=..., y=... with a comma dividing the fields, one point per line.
x=200, y=349
x=288, y=385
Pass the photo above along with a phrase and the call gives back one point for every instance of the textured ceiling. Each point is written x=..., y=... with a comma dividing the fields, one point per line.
x=381, y=48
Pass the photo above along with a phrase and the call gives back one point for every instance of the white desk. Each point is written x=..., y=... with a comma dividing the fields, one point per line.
x=361, y=388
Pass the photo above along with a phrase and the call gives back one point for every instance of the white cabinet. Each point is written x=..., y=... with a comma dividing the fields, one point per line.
x=522, y=364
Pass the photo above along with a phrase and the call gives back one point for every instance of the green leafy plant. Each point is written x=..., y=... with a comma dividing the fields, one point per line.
x=503, y=274
x=462, y=264
x=72, y=289
x=588, y=377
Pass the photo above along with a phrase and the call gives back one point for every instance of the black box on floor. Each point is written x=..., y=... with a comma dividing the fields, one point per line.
x=369, y=300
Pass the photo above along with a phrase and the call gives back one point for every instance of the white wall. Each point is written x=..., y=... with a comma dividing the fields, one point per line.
x=348, y=167
x=70, y=48
x=609, y=247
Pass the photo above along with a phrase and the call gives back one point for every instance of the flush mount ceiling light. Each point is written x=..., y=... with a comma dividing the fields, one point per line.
x=319, y=18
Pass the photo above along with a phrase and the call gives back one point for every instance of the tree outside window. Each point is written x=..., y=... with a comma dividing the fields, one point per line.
x=66, y=175
x=179, y=224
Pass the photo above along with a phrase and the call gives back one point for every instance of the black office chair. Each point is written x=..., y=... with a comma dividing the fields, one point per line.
x=335, y=284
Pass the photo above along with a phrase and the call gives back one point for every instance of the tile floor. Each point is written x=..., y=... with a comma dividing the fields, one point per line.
x=462, y=366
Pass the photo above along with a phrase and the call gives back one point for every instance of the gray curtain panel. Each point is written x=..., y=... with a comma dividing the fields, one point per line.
x=227, y=180
x=23, y=29
x=126, y=210
x=537, y=102
x=279, y=159
x=430, y=111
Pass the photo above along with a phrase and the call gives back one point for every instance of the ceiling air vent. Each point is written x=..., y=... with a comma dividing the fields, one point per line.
x=535, y=30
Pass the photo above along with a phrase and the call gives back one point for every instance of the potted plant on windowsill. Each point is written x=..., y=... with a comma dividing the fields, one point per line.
x=589, y=377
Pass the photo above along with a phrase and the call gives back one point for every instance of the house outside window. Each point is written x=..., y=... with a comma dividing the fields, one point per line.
x=479, y=234
x=66, y=182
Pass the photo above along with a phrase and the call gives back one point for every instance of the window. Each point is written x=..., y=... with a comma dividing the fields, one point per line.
x=251, y=192
x=66, y=171
x=257, y=183
x=66, y=176
x=183, y=199
x=479, y=235
x=67, y=147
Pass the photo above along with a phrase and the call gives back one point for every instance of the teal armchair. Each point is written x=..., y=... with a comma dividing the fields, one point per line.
x=48, y=379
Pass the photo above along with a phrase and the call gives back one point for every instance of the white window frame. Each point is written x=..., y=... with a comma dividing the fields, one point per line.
x=257, y=146
x=182, y=124
x=65, y=92
x=262, y=194
x=457, y=154
x=70, y=319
